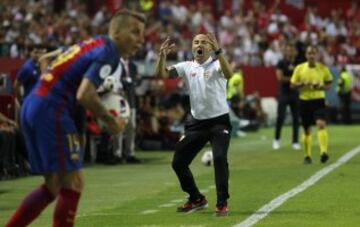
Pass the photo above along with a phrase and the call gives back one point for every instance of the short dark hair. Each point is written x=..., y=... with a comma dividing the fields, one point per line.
x=123, y=15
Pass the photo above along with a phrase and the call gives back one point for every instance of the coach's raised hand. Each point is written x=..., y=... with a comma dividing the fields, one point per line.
x=213, y=42
x=224, y=64
x=166, y=47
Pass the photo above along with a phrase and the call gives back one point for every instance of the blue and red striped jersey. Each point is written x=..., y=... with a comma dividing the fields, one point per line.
x=94, y=59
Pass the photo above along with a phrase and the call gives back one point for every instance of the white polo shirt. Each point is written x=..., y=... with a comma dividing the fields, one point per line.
x=207, y=88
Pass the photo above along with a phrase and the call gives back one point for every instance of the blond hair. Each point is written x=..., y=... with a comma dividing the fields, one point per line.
x=122, y=16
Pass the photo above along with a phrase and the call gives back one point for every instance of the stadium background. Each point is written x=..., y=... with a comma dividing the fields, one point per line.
x=252, y=33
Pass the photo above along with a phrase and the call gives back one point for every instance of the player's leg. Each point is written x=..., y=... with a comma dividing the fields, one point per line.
x=345, y=108
x=294, y=109
x=36, y=201
x=68, y=198
x=220, y=139
x=320, y=116
x=185, y=151
x=118, y=151
x=281, y=112
x=306, y=121
x=322, y=139
x=68, y=163
x=129, y=146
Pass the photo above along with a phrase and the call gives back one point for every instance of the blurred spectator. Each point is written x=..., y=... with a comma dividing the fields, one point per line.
x=287, y=97
x=253, y=110
x=28, y=74
x=344, y=91
x=272, y=55
x=235, y=92
x=12, y=162
x=129, y=80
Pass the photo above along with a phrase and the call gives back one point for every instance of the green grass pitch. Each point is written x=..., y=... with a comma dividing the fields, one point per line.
x=148, y=194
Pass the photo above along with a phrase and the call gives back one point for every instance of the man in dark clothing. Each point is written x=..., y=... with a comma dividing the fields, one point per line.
x=287, y=97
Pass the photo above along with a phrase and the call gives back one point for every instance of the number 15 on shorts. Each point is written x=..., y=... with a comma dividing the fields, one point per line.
x=74, y=146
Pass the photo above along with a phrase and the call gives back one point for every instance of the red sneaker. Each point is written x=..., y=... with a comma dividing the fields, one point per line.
x=221, y=211
x=193, y=205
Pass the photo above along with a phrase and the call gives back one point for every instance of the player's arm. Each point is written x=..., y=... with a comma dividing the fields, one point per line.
x=17, y=89
x=21, y=78
x=328, y=79
x=88, y=97
x=224, y=64
x=295, y=82
x=160, y=67
x=326, y=85
x=47, y=57
x=280, y=75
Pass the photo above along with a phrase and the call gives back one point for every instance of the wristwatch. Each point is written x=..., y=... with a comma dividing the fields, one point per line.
x=217, y=52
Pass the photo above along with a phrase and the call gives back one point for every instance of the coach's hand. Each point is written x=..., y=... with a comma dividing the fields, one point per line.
x=166, y=47
x=213, y=42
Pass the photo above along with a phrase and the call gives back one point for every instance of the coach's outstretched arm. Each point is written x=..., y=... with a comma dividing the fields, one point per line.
x=160, y=68
x=224, y=64
x=88, y=97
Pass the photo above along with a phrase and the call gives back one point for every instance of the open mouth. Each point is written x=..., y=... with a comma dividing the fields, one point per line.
x=200, y=52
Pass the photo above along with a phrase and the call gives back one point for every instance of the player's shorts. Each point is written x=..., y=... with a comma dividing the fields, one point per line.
x=312, y=110
x=50, y=135
x=80, y=119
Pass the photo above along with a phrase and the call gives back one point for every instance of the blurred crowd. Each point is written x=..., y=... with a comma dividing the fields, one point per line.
x=251, y=36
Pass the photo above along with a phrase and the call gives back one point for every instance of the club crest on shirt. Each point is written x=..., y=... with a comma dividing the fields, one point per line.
x=105, y=71
x=193, y=74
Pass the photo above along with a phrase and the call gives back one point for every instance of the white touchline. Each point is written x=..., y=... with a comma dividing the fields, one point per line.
x=278, y=201
x=149, y=211
x=166, y=205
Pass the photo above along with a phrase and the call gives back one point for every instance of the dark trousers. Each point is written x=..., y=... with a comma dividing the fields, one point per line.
x=345, y=107
x=12, y=155
x=197, y=134
x=292, y=101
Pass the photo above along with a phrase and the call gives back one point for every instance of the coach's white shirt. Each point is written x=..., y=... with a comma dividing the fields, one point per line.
x=207, y=88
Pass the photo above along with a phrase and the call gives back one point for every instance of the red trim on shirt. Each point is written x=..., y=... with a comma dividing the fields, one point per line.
x=59, y=70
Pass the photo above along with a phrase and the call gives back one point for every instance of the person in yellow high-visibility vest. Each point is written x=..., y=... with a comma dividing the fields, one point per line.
x=235, y=92
x=312, y=79
x=344, y=91
x=146, y=5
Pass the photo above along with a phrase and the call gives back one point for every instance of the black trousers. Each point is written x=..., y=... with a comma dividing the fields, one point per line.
x=291, y=100
x=197, y=134
x=345, y=107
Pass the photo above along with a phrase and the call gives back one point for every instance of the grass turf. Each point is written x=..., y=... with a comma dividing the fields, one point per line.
x=147, y=194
